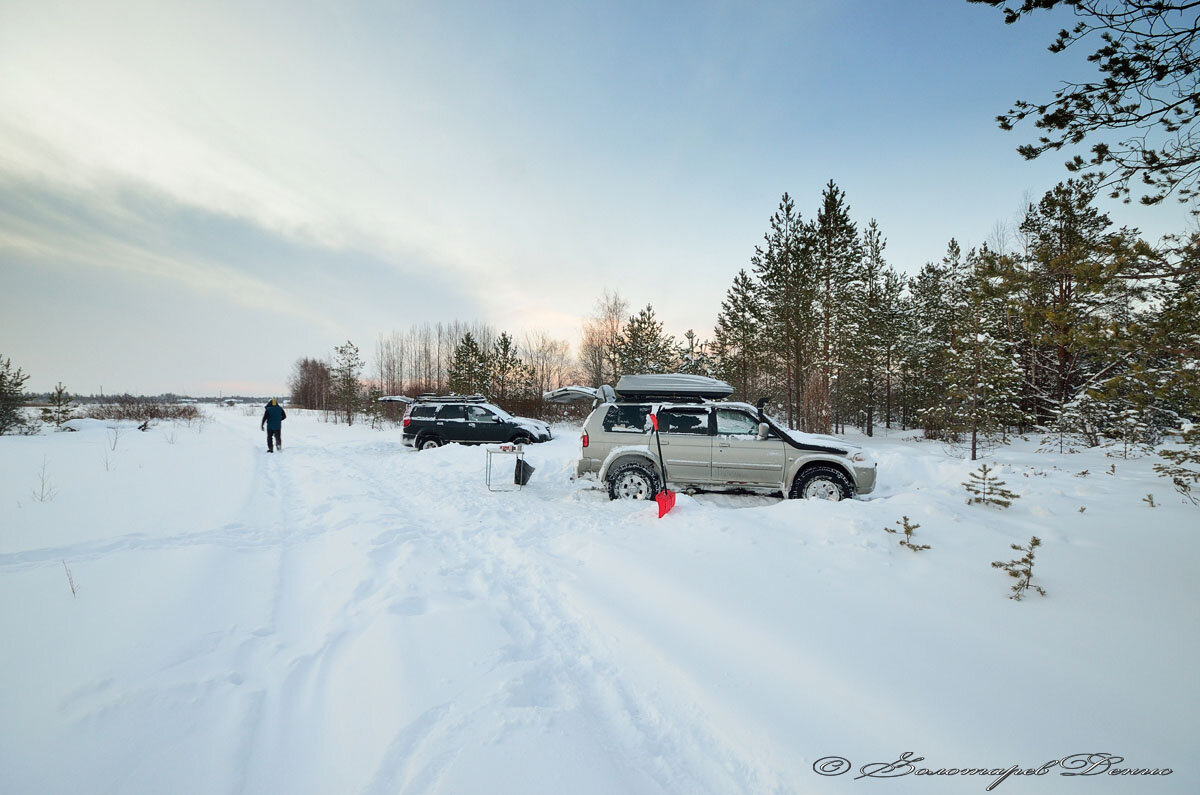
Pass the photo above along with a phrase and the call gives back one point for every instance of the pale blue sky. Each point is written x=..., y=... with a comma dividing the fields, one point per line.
x=194, y=195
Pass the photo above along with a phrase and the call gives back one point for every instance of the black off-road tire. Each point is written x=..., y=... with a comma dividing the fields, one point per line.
x=822, y=483
x=521, y=438
x=429, y=442
x=632, y=480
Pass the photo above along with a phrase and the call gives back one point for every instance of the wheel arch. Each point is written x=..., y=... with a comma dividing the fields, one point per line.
x=804, y=465
x=425, y=436
x=622, y=455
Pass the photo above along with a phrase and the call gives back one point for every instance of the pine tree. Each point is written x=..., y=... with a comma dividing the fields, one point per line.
x=739, y=340
x=1021, y=569
x=907, y=528
x=981, y=395
x=894, y=334
x=508, y=374
x=12, y=397
x=784, y=268
x=61, y=405
x=693, y=355
x=1073, y=263
x=347, y=389
x=866, y=356
x=468, y=373
x=836, y=255
x=643, y=346
x=988, y=489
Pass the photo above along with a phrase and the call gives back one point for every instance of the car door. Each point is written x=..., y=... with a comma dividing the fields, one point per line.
x=452, y=423
x=484, y=426
x=740, y=457
x=686, y=438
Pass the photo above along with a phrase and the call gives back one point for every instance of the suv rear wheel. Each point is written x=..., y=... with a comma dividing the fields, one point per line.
x=429, y=443
x=632, y=481
x=822, y=483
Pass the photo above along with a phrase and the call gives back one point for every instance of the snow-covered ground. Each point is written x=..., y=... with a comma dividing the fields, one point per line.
x=352, y=616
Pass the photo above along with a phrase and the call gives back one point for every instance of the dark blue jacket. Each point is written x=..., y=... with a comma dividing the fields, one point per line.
x=273, y=416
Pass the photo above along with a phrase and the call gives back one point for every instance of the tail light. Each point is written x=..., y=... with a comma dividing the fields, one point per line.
x=584, y=439
x=407, y=422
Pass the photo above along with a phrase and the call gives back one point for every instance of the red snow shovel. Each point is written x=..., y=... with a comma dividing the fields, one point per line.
x=666, y=497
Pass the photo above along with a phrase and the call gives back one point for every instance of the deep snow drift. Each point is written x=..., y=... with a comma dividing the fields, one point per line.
x=352, y=616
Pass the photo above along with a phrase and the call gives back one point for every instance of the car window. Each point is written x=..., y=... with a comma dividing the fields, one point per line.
x=477, y=414
x=691, y=421
x=423, y=412
x=627, y=419
x=452, y=413
x=735, y=423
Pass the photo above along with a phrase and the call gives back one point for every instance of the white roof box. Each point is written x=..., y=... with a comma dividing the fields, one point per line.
x=671, y=386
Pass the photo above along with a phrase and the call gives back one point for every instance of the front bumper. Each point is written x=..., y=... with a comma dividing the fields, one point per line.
x=864, y=479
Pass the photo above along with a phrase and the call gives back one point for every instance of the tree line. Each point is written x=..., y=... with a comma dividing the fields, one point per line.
x=1068, y=327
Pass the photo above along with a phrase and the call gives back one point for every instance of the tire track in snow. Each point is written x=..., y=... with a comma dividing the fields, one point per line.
x=568, y=663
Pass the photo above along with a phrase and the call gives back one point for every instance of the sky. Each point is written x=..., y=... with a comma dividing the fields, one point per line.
x=195, y=195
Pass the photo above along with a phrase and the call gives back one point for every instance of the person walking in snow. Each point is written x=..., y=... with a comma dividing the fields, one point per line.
x=273, y=417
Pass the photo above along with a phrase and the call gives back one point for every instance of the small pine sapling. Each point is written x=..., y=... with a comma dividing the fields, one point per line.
x=907, y=529
x=1021, y=569
x=988, y=489
x=61, y=406
x=1149, y=500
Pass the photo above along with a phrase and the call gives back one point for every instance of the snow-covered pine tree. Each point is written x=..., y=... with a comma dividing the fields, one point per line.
x=1074, y=264
x=983, y=376
x=987, y=488
x=468, y=373
x=739, y=340
x=643, y=346
x=864, y=359
x=785, y=269
x=837, y=256
x=694, y=356
x=1176, y=342
x=938, y=302
x=894, y=334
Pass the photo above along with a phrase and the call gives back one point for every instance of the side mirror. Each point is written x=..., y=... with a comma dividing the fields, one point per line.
x=764, y=430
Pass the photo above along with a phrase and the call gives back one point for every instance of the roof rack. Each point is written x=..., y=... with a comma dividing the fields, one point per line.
x=429, y=397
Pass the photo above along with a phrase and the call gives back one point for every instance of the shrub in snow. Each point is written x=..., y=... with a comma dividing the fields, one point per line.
x=988, y=489
x=907, y=529
x=1021, y=569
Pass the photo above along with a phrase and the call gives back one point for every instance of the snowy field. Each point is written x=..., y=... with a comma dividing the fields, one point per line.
x=351, y=616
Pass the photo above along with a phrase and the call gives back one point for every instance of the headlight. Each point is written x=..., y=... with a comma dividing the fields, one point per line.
x=860, y=458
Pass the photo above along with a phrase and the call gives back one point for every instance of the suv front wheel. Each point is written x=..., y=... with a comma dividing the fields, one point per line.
x=822, y=483
x=632, y=481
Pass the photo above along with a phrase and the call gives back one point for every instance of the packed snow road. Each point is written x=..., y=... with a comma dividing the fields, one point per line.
x=351, y=616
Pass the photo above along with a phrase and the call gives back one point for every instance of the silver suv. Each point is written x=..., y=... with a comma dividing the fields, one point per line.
x=712, y=445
